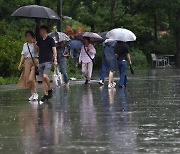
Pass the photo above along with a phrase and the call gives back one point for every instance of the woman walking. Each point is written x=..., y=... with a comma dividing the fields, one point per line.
x=28, y=78
x=86, y=57
x=123, y=57
x=109, y=60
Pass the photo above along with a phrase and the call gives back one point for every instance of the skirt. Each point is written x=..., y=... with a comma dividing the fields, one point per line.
x=28, y=76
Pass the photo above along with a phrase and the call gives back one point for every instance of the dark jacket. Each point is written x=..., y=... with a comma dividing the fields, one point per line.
x=109, y=57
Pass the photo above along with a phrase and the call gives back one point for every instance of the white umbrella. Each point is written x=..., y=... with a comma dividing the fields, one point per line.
x=121, y=34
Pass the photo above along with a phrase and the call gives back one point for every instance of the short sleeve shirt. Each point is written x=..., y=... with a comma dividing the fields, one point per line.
x=122, y=52
x=26, y=53
x=45, y=49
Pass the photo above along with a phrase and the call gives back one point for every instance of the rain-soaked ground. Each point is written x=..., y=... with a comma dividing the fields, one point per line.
x=144, y=118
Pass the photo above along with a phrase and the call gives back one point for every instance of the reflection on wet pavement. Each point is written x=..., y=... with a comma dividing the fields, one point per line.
x=144, y=118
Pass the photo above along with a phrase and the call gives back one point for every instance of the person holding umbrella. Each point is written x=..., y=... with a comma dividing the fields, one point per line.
x=28, y=78
x=86, y=57
x=109, y=61
x=75, y=46
x=63, y=54
x=123, y=57
x=47, y=53
x=122, y=35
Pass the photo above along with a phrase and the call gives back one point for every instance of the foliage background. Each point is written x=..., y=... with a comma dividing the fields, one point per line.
x=146, y=18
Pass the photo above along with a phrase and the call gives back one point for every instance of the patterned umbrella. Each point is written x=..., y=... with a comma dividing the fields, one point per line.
x=93, y=36
x=59, y=37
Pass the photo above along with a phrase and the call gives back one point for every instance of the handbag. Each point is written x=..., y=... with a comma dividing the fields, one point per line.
x=89, y=55
x=36, y=67
x=57, y=78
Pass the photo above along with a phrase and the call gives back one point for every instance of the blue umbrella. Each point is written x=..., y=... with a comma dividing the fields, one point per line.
x=75, y=44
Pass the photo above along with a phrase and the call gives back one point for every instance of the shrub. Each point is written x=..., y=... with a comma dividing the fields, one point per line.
x=8, y=80
x=72, y=69
x=139, y=60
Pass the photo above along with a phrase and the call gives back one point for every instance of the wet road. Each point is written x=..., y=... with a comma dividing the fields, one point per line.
x=144, y=118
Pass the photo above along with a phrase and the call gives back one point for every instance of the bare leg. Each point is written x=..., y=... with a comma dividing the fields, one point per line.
x=32, y=83
x=111, y=77
x=46, y=83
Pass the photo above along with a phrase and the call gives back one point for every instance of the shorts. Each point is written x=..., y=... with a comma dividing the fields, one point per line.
x=45, y=68
x=111, y=65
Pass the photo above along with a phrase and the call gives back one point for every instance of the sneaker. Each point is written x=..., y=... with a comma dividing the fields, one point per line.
x=31, y=98
x=86, y=82
x=50, y=93
x=114, y=84
x=36, y=96
x=44, y=98
x=111, y=86
x=101, y=82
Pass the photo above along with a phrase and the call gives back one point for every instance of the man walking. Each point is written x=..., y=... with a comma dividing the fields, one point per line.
x=47, y=53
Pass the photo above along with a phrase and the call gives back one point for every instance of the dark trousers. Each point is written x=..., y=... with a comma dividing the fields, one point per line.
x=103, y=72
x=122, y=65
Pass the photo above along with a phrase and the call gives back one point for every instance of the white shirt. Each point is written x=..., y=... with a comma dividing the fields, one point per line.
x=26, y=53
x=84, y=56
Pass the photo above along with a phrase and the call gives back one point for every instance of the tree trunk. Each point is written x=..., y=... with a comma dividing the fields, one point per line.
x=155, y=27
x=178, y=38
x=59, y=12
x=112, y=5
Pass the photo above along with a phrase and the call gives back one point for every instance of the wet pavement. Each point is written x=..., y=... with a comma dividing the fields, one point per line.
x=144, y=118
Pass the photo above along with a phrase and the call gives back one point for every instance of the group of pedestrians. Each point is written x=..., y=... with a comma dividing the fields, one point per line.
x=41, y=52
x=115, y=54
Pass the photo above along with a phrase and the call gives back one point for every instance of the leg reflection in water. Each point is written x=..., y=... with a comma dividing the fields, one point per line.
x=88, y=114
x=36, y=129
x=123, y=100
x=61, y=117
x=28, y=120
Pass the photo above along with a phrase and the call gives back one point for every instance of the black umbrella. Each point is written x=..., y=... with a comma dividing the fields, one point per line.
x=35, y=11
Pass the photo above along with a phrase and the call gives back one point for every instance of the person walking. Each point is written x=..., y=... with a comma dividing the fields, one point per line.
x=123, y=57
x=63, y=54
x=28, y=78
x=47, y=53
x=86, y=57
x=103, y=73
x=109, y=60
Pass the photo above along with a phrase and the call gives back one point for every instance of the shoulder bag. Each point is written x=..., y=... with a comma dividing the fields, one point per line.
x=36, y=67
x=89, y=55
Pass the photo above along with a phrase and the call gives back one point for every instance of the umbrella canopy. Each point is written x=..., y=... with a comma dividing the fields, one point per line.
x=59, y=36
x=93, y=36
x=35, y=11
x=75, y=44
x=121, y=34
